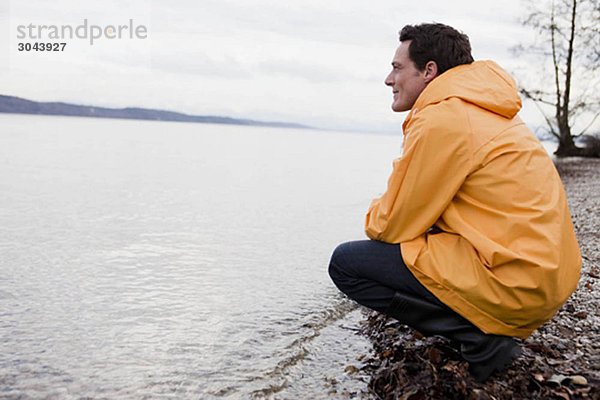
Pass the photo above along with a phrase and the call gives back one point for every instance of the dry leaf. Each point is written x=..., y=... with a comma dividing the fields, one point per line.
x=435, y=356
x=562, y=395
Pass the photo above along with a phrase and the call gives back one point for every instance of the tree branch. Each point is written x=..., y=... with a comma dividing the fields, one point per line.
x=548, y=120
x=555, y=62
x=590, y=124
x=569, y=65
x=531, y=96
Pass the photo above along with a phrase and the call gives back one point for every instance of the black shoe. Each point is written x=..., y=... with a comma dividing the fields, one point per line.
x=493, y=355
x=485, y=353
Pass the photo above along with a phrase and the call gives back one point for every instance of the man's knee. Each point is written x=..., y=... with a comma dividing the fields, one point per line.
x=336, y=262
x=339, y=265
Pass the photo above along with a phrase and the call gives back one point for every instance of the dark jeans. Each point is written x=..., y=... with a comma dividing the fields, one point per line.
x=371, y=272
x=374, y=274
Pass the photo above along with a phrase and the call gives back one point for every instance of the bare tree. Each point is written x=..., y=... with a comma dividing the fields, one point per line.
x=569, y=37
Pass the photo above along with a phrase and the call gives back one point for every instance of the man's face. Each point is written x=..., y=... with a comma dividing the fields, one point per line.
x=406, y=81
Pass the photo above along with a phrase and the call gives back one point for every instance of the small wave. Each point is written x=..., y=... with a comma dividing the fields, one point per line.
x=6, y=295
x=296, y=351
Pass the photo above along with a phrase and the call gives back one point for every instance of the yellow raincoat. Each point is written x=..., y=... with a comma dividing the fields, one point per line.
x=507, y=257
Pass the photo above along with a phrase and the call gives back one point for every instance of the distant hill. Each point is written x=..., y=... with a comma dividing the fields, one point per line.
x=17, y=105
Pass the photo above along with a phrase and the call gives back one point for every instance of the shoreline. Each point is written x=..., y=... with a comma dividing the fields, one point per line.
x=561, y=359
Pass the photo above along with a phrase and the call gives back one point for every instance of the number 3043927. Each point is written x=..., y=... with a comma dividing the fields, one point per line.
x=40, y=46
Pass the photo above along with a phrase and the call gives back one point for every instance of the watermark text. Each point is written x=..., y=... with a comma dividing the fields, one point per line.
x=90, y=32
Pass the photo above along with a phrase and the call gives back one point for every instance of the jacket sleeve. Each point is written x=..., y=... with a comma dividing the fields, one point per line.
x=434, y=164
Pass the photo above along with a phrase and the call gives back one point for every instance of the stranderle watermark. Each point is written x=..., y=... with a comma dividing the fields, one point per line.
x=40, y=34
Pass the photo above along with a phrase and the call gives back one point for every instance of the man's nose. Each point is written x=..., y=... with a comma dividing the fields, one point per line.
x=388, y=80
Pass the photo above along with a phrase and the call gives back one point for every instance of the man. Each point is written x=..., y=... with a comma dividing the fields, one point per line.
x=473, y=239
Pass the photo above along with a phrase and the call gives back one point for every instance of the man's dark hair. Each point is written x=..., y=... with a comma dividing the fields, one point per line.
x=437, y=42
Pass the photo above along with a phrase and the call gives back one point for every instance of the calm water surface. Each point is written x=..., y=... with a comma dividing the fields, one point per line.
x=169, y=260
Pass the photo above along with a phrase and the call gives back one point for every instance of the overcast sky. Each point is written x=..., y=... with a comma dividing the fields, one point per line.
x=320, y=63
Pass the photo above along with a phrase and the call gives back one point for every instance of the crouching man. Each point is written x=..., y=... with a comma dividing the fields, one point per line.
x=473, y=239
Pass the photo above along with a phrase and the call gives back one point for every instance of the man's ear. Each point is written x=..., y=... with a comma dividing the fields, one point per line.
x=430, y=71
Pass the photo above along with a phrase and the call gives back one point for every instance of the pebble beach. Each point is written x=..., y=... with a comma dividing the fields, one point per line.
x=560, y=360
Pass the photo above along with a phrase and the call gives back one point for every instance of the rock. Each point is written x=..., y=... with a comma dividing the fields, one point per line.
x=581, y=314
x=579, y=380
x=351, y=370
x=556, y=380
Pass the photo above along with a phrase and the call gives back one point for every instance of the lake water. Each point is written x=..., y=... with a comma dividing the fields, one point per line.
x=169, y=260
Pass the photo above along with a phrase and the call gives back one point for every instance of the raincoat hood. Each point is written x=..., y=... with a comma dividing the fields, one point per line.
x=499, y=94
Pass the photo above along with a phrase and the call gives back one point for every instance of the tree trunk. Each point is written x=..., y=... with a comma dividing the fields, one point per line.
x=567, y=149
x=566, y=145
